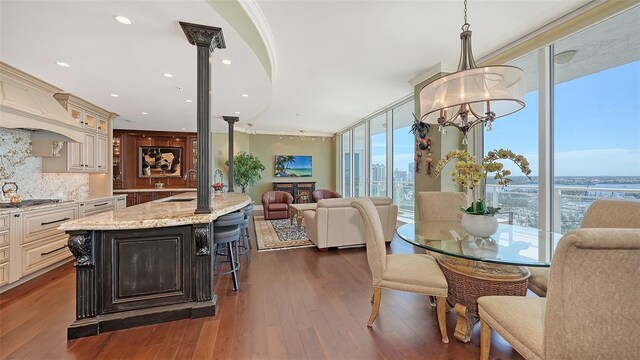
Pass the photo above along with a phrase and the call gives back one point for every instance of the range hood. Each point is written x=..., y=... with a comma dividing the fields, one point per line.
x=28, y=103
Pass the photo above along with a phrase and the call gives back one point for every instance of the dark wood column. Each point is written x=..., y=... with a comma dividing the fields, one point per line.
x=231, y=120
x=206, y=39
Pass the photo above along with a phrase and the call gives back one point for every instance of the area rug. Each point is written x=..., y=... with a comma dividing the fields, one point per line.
x=279, y=234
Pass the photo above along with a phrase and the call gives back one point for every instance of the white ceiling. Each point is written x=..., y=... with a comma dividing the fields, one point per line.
x=337, y=61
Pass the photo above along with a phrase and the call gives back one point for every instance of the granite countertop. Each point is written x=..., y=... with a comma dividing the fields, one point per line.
x=153, y=190
x=160, y=213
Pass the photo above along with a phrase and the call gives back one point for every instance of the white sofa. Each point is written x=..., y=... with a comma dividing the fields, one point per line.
x=335, y=223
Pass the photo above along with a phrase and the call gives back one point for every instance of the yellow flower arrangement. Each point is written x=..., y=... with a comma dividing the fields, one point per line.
x=472, y=175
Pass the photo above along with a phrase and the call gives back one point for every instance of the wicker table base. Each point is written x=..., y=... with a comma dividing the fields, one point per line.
x=468, y=280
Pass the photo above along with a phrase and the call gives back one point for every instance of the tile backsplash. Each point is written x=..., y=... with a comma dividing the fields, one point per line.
x=18, y=165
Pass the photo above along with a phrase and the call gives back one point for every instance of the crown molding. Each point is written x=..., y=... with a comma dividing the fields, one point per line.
x=432, y=71
x=254, y=13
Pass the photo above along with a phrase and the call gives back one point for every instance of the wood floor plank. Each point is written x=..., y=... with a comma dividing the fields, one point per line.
x=293, y=304
x=206, y=342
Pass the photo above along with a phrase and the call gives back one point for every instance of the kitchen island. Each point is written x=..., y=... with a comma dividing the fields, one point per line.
x=145, y=264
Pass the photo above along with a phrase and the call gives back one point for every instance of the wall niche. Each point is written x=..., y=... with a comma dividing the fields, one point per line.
x=128, y=161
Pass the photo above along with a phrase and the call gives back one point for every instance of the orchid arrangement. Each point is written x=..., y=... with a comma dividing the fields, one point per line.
x=472, y=175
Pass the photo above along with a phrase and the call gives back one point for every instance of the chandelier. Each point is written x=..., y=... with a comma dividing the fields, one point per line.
x=250, y=130
x=472, y=95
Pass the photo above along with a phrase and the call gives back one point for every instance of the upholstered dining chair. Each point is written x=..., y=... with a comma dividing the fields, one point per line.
x=591, y=308
x=324, y=194
x=601, y=214
x=276, y=204
x=418, y=273
x=441, y=206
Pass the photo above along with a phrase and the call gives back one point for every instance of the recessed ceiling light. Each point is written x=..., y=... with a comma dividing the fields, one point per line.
x=245, y=95
x=123, y=19
x=188, y=100
x=167, y=75
x=237, y=112
x=143, y=113
x=115, y=95
x=226, y=61
x=63, y=64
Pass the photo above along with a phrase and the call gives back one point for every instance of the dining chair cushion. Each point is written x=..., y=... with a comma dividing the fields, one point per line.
x=418, y=273
x=519, y=320
x=539, y=280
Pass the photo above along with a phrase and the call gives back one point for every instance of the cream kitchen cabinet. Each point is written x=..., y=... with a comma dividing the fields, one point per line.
x=92, y=207
x=93, y=154
x=102, y=153
x=41, y=243
x=32, y=242
x=4, y=248
x=74, y=157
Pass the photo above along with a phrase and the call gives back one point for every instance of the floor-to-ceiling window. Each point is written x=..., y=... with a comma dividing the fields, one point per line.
x=596, y=117
x=378, y=155
x=590, y=112
x=359, y=161
x=519, y=133
x=372, y=166
x=403, y=160
x=346, y=163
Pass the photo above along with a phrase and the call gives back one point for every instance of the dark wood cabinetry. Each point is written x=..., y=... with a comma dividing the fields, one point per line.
x=140, y=197
x=126, y=144
x=301, y=191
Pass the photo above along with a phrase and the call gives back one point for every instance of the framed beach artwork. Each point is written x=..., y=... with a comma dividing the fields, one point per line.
x=293, y=166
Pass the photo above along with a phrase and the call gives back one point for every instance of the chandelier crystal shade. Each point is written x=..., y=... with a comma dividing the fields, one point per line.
x=472, y=95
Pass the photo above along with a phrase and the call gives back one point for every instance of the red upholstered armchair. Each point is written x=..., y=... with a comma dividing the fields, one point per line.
x=276, y=204
x=325, y=194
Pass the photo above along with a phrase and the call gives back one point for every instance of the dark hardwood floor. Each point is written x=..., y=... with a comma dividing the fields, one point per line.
x=295, y=304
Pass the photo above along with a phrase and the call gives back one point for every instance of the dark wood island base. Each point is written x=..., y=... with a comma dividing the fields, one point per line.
x=145, y=264
x=127, y=278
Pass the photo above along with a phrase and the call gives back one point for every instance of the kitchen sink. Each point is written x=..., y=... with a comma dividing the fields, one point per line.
x=179, y=200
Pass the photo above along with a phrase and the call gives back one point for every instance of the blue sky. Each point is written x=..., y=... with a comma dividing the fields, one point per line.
x=597, y=125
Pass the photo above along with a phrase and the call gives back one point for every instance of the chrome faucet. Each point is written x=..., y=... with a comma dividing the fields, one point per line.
x=186, y=175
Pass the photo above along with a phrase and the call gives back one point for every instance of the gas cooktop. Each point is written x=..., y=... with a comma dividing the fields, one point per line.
x=27, y=203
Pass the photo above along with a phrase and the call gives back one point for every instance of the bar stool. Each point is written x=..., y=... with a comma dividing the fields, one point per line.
x=226, y=230
x=243, y=246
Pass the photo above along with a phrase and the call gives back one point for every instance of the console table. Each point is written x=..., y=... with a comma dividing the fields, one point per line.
x=301, y=191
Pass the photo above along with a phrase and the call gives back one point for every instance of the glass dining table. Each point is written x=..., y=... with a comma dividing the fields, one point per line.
x=476, y=266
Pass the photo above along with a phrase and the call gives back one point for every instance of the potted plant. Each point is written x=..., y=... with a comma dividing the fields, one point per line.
x=479, y=219
x=246, y=169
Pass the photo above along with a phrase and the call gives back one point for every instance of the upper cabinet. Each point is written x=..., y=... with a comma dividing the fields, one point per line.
x=92, y=155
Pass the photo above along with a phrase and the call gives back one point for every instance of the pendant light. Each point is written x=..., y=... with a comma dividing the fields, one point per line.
x=472, y=95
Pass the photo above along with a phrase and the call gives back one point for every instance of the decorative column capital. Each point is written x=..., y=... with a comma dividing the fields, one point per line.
x=201, y=234
x=81, y=247
x=201, y=35
x=231, y=119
